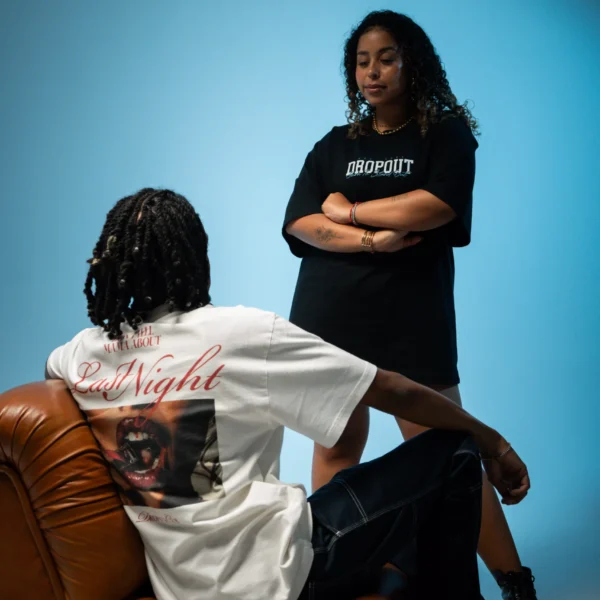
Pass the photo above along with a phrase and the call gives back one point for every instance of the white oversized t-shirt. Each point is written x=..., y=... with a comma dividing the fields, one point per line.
x=190, y=412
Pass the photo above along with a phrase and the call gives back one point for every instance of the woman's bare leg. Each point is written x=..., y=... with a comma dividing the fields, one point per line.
x=496, y=545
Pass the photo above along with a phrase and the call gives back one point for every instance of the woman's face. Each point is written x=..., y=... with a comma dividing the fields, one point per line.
x=380, y=73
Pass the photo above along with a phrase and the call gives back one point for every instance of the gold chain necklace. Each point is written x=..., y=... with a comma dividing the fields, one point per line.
x=376, y=127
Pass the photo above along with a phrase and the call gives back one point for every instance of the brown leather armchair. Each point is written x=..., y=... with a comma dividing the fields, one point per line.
x=63, y=531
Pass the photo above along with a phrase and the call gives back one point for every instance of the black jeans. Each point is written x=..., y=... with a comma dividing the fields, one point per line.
x=418, y=507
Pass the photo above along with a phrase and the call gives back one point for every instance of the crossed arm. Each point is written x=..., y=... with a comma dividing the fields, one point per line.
x=332, y=230
x=414, y=211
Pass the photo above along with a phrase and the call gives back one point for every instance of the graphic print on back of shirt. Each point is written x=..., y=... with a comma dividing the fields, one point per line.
x=162, y=455
x=393, y=167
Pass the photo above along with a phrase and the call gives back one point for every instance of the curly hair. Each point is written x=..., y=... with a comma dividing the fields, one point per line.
x=430, y=95
x=153, y=250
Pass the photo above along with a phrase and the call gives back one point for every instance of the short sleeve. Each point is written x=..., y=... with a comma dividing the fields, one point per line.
x=313, y=387
x=308, y=195
x=451, y=174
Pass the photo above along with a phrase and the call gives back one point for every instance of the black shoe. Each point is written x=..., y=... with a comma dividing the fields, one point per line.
x=516, y=585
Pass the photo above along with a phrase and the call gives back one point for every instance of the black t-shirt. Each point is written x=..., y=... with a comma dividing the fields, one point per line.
x=395, y=310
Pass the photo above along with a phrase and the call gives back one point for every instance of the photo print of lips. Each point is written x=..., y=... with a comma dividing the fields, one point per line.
x=162, y=454
x=142, y=453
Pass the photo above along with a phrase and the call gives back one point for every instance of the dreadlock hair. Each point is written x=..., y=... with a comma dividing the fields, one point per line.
x=153, y=250
x=430, y=95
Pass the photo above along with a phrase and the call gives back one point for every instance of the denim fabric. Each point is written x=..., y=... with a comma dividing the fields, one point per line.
x=418, y=507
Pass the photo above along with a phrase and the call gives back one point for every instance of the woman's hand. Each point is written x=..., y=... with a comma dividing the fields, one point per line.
x=337, y=208
x=388, y=240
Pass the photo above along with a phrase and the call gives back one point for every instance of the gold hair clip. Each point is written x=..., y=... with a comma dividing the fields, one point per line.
x=112, y=239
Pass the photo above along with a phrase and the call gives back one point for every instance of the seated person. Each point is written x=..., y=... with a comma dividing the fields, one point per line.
x=189, y=402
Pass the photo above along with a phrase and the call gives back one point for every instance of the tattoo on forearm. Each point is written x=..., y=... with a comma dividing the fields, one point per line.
x=325, y=235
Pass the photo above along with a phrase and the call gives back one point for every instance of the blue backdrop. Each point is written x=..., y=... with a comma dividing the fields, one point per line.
x=222, y=101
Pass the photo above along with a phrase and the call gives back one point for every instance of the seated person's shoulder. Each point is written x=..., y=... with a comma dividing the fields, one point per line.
x=247, y=317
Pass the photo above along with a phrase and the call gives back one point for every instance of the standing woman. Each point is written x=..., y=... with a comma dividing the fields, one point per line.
x=375, y=213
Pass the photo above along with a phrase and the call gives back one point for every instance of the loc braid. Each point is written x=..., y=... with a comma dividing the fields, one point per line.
x=136, y=252
x=115, y=253
x=187, y=255
x=164, y=237
x=145, y=261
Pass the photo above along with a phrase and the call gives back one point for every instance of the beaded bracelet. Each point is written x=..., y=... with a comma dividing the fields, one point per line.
x=353, y=213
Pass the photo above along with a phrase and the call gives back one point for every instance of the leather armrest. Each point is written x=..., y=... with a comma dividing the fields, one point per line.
x=67, y=533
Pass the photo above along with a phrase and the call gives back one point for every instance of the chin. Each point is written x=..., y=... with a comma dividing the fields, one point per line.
x=380, y=102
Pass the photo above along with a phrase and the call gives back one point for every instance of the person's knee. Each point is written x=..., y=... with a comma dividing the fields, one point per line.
x=466, y=464
x=451, y=440
x=461, y=451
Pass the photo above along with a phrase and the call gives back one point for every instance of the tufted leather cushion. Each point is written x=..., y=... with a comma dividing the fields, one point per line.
x=63, y=531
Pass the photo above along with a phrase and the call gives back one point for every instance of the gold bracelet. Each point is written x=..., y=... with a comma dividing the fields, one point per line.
x=362, y=241
x=367, y=241
x=371, y=238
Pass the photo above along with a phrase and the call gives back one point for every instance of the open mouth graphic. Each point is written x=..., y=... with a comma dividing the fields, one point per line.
x=142, y=454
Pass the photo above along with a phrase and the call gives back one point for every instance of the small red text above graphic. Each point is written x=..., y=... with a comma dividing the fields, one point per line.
x=144, y=517
x=147, y=381
x=142, y=338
